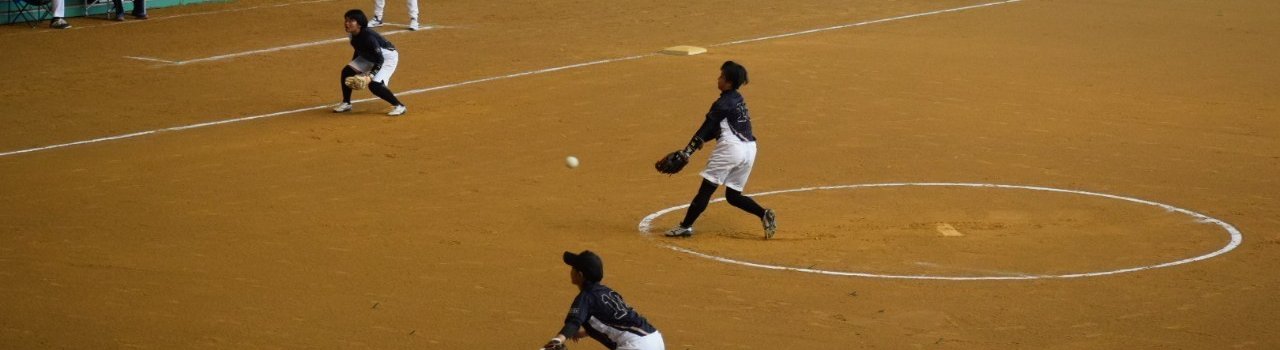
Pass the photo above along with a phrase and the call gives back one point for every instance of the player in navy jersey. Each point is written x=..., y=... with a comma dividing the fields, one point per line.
x=601, y=313
x=729, y=123
x=374, y=55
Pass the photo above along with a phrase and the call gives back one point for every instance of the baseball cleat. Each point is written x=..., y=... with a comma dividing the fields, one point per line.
x=398, y=110
x=59, y=23
x=770, y=222
x=342, y=107
x=375, y=22
x=680, y=231
x=413, y=24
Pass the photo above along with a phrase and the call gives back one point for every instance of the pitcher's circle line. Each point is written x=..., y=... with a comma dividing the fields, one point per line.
x=1236, y=236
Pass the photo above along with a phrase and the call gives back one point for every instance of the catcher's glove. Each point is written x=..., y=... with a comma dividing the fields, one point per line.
x=358, y=81
x=554, y=344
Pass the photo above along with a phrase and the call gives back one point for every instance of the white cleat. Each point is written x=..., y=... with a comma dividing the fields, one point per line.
x=413, y=24
x=342, y=108
x=375, y=22
x=398, y=110
x=680, y=231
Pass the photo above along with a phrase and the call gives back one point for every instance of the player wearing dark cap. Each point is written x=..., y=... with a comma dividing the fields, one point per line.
x=600, y=312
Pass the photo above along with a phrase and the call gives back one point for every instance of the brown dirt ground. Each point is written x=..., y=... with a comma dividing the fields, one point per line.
x=443, y=229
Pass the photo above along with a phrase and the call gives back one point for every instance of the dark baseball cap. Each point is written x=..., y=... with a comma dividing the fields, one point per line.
x=588, y=263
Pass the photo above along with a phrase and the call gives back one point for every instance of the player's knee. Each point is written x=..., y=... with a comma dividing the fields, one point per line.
x=734, y=197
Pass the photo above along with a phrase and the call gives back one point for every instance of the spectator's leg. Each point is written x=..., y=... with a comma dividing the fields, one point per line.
x=140, y=9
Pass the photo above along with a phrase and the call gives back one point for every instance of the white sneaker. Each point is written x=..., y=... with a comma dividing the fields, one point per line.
x=375, y=22
x=398, y=110
x=680, y=231
x=413, y=24
x=59, y=23
x=342, y=107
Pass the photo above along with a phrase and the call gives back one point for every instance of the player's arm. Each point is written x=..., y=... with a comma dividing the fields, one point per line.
x=709, y=130
x=578, y=314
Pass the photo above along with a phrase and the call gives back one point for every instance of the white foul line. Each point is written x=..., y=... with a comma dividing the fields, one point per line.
x=254, y=52
x=151, y=59
x=1235, y=236
x=161, y=18
x=540, y=71
x=843, y=26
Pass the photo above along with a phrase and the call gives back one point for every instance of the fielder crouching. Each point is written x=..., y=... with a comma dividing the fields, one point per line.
x=600, y=312
x=375, y=56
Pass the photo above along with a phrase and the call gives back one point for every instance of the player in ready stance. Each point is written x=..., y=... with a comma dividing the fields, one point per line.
x=374, y=55
x=600, y=312
x=730, y=163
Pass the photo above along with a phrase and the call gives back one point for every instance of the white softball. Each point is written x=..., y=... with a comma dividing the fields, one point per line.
x=571, y=162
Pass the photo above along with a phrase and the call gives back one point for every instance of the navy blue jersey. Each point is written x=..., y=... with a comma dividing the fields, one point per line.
x=368, y=44
x=605, y=316
x=731, y=108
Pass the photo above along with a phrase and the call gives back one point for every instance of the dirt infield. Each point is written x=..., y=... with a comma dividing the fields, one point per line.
x=443, y=228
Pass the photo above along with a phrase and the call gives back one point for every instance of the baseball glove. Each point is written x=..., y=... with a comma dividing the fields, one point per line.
x=672, y=162
x=675, y=161
x=554, y=344
x=358, y=81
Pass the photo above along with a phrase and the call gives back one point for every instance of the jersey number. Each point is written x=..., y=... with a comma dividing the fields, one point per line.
x=614, y=301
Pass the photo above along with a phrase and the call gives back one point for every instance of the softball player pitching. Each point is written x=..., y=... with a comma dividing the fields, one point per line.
x=374, y=55
x=600, y=312
x=730, y=163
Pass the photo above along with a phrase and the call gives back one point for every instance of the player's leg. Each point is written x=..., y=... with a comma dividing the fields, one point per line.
x=736, y=181
x=736, y=199
x=345, y=106
x=59, y=12
x=696, y=207
x=653, y=341
x=379, y=89
x=390, y=60
x=413, y=14
x=378, y=7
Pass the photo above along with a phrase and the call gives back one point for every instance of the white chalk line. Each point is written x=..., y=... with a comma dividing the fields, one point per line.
x=266, y=50
x=410, y=92
x=151, y=59
x=161, y=18
x=404, y=93
x=1236, y=236
x=843, y=26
